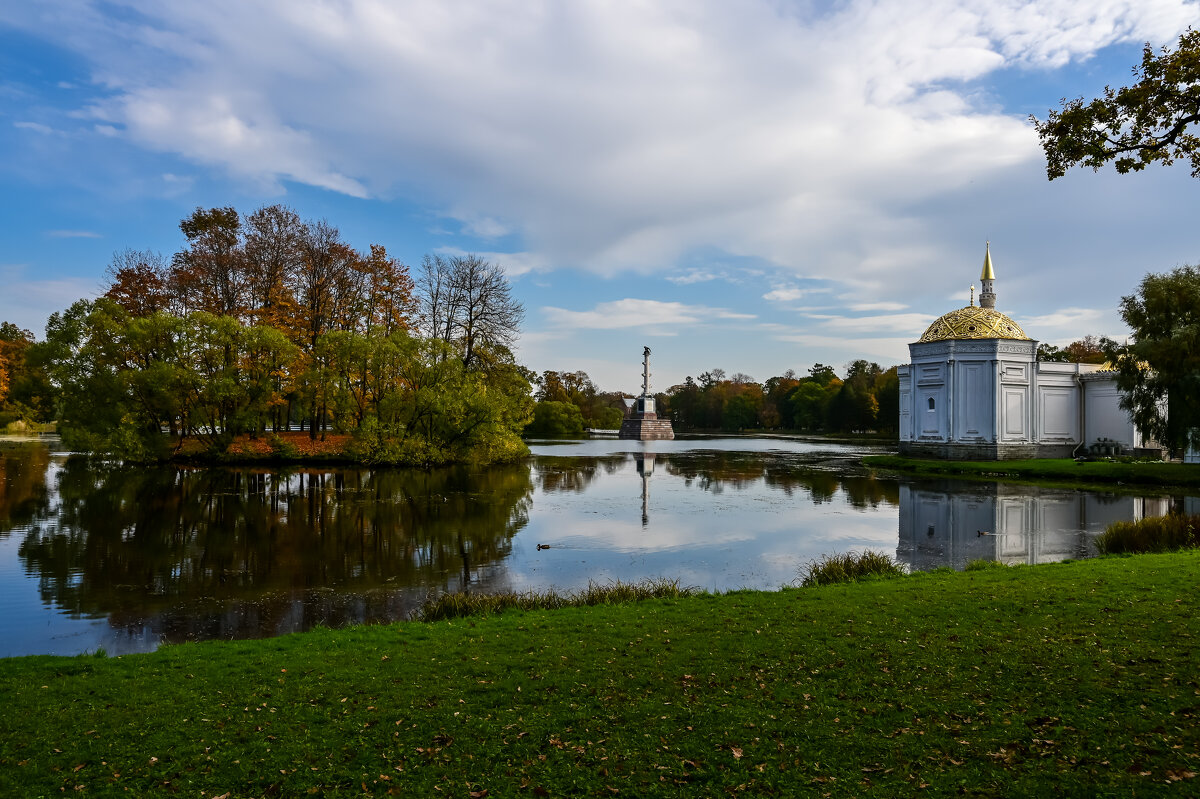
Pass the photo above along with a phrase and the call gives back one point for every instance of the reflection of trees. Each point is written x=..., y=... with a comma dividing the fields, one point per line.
x=714, y=470
x=134, y=543
x=22, y=483
x=555, y=473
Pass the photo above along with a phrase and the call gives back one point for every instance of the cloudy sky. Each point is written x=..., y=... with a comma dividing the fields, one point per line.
x=754, y=186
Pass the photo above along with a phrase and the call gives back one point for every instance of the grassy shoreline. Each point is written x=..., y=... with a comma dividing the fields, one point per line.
x=1059, y=471
x=1065, y=679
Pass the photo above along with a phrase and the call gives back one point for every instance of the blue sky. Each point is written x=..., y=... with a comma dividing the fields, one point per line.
x=753, y=186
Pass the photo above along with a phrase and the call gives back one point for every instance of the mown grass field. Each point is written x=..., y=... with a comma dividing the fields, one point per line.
x=1062, y=471
x=1074, y=679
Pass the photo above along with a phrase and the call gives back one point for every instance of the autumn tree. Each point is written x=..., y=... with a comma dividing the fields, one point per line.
x=13, y=343
x=389, y=300
x=1088, y=349
x=274, y=235
x=210, y=273
x=25, y=390
x=264, y=319
x=1151, y=121
x=139, y=281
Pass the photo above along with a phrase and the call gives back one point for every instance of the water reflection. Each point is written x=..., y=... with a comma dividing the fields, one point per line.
x=953, y=523
x=125, y=558
x=23, y=494
x=240, y=553
x=645, y=468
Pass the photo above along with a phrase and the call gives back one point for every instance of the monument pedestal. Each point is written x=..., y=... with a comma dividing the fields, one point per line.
x=646, y=427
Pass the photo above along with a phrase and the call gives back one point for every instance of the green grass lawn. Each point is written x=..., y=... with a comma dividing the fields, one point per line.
x=1058, y=470
x=1073, y=679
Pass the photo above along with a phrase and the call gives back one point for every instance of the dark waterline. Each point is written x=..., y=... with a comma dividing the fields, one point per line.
x=125, y=558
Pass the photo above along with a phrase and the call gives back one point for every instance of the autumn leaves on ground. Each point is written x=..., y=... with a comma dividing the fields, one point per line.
x=1072, y=679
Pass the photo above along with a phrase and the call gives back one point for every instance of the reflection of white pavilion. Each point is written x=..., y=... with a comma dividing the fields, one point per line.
x=1018, y=524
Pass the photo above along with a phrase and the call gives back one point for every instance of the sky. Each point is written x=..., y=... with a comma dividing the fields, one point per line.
x=754, y=186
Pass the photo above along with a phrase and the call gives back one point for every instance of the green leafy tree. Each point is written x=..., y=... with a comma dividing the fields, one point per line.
x=823, y=375
x=1151, y=121
x=555, y=420
x=1159, y=372
x=741, y=411
x=808, y=402
x=1048, y=353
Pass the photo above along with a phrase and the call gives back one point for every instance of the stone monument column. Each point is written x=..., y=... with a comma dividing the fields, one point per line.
x=642, y=423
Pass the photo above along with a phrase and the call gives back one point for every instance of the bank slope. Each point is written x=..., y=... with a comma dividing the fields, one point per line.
x=1069, y=679
x=1063, y=470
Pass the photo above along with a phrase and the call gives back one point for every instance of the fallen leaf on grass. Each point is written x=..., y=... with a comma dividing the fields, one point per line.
x=737, y=753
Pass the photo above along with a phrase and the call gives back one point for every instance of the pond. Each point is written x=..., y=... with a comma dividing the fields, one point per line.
x=95, y=556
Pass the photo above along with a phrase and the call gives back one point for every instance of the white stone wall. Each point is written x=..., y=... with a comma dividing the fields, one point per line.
x=1016, y=382
x=1058, y=403
x=1104, y=417
x=974, y=402
x=930, y=420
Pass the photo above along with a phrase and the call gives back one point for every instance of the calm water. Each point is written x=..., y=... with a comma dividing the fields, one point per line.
x=126, y=558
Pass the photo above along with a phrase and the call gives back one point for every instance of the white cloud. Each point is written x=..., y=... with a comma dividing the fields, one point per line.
x=885, y=323
x=484, y=227
x=609, y=136
x=73, y=234
x=666, y=317
x=1065, y=317
x=876, y=306
x=889, y=350
x=696, y=276
x=785, y=294
x=514, y=264
x=36, y=127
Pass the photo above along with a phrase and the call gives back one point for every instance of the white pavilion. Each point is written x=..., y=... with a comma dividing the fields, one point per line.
x=974, y=390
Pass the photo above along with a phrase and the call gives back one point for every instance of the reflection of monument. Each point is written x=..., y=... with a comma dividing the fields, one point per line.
x=641, y=422
x=1018, y=524
x=645, y=467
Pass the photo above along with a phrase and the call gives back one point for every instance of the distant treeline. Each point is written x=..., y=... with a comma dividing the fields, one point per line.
x=264, y=322
x=866, y=400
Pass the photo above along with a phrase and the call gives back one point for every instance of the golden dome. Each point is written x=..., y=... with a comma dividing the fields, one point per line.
x=973, y=322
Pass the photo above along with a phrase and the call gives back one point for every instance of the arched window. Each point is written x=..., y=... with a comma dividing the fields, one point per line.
x=931, y=403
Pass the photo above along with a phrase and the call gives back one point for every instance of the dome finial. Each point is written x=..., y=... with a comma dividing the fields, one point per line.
x=972, y=295
x=987, y=294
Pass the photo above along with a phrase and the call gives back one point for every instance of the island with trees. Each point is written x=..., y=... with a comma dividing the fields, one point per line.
x=264, y=326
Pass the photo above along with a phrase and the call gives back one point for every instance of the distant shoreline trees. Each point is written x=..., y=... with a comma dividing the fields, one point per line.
x=867, y=400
